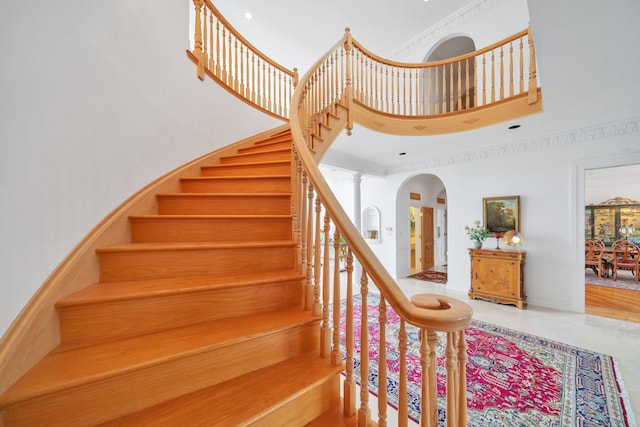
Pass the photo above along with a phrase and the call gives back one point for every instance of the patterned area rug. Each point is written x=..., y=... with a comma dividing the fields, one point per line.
x=625, y=280
x=431, y=276
x=513, y=378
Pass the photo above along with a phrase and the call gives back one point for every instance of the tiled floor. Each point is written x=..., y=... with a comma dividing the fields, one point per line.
x=614, y=337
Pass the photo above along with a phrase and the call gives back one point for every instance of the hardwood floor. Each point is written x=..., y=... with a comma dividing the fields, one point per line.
x=619, y=304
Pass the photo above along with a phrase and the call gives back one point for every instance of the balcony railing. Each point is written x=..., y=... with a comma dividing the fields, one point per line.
x=220, y=52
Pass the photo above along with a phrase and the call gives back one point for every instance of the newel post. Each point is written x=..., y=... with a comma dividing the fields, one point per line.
x=348, y=46
x=197, y=48
x=533, y=85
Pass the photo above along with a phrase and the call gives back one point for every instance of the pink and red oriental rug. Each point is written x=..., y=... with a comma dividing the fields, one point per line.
x=513, y=378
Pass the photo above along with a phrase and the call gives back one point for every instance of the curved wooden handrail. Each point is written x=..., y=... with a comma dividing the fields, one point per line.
x=445, y=318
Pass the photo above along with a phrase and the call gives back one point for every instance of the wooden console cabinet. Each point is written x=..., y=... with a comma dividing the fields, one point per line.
x=498, y=276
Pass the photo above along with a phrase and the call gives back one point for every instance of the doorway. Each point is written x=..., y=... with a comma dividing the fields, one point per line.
x=611, y=209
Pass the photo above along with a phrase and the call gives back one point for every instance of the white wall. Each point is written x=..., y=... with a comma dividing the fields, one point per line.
x=544, y=178
x=97, y=100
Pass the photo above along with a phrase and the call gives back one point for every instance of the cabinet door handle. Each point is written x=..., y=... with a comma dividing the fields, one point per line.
x=475, y=276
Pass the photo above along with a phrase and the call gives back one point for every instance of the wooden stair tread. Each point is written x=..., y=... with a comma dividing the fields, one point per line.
x=231, y=178
x=173, y=246
x=335, y=417
x=130, y=289
x=240, y=401
x=202, y=216
x=62, y=370
x=257, y=162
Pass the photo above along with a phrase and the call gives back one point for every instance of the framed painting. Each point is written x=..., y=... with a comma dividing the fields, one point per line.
x=501, y=214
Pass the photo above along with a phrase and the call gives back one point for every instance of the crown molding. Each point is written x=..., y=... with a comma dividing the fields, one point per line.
x=444, y=28
x=571, y=137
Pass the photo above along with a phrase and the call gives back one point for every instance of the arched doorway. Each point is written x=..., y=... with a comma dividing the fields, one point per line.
x=421, y=221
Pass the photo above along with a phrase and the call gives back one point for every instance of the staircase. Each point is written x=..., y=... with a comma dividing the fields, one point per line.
x=199, y=320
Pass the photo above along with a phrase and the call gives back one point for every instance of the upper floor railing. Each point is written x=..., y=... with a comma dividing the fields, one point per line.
x=494, y=73
x=222, y=53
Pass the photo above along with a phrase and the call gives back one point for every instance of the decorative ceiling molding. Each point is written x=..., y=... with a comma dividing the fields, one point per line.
x=577, y=136
x=444, y=28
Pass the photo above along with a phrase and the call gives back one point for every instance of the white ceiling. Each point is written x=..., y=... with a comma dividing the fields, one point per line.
x=584, y=83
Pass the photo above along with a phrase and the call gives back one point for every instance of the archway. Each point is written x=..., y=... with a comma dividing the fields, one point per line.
x=421, y=223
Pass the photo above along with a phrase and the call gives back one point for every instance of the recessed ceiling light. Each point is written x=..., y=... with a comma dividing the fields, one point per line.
x=248, y=16
x=514, y=126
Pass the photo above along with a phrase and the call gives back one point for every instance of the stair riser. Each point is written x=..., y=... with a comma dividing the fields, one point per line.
x=303, y=408
x=238, y=185
x=224, y=205
x=248, y=169
x=267, y=146
x=257, y=157
x=142, y=265
x=145, y=386
x=162, y=230
x=91, y=323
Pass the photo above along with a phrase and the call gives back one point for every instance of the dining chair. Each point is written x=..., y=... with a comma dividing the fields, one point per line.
x=626, y=256
x=593, y=256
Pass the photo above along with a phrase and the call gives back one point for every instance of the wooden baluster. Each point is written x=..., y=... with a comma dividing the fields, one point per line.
x=235, y=76
x=281, y=94
x=370, y=93
x=262, y=77
x=484, y=79
x=404, y=91
x=376, y=84
x=475, y=83
x=430, y=91
x=325, y=331
x=511, y=71
x=218, y=59
x=459, y=107
x=501, y=72
x=382, y=365
x=317, y=307
x=396, y=91
x=417, y=72
x=387, y=90
x=451, y=363
x=295, y=200
x=364, y=413
x=521, y=65
x=243, y=70
x=403, y=415
x=205, y=40
x=443, y=108
x=197, y=40
x=462, y=379
x=432, y=339
x=309, y=293
x=425, y=363
x=272, y=89
x=451, y=86
x=336, y=354
x=468, y=87
x=348, y=79
x=493, y=76
x=224, y=56
x=211, y=41
x=253, y=78
x=349, y=383
x=303, y=233
x=533, y=85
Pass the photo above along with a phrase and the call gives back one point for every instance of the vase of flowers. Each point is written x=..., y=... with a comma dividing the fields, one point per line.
x=477, y=233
